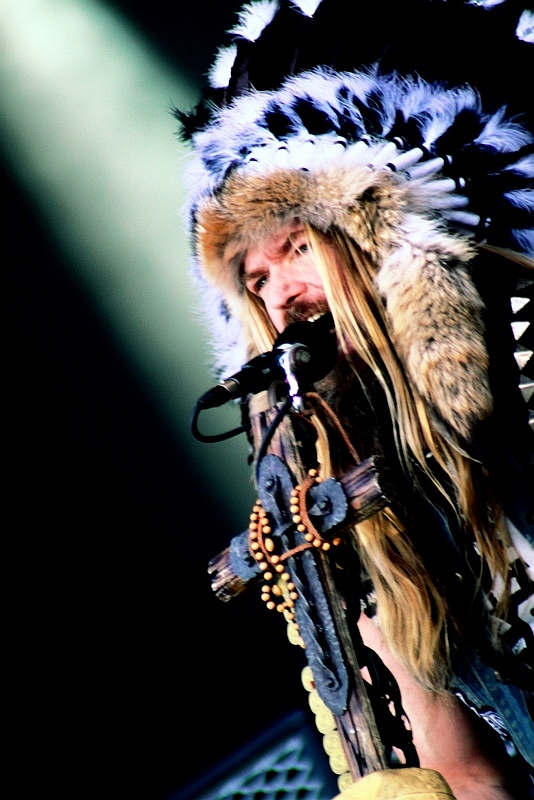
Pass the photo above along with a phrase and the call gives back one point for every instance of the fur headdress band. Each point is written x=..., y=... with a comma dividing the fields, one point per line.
x=391, y=217
x=413, y=172
x=314, y=116
x=358, y=190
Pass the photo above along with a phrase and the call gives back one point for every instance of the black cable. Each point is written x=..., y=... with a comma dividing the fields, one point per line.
x=280, y=414
x=218, y=437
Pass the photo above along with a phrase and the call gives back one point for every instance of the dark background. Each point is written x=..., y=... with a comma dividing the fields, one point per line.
x=135, y=680
x=131, y=679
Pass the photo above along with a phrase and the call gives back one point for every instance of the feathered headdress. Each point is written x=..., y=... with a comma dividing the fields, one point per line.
x=309, y=116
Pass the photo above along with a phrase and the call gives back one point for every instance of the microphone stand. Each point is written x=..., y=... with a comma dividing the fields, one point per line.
x=309, y=570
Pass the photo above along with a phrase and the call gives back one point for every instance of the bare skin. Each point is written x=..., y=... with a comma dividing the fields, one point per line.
x=444, y=736
x=280, y=271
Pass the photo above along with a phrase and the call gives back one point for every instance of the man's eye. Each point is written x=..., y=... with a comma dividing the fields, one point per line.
x=303, y=248
x=260, y=283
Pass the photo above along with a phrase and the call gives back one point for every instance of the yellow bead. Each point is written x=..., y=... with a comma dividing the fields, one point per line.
x=338, y=764
x=317, y=543
x=275, y=559
x=279, y=568
x=344, y=781
x=263, y=565
x=332, y=743
x=271, y=605
x=285, y=576
x=277, y=591
x=254, y=546
x=268, y=576
x=269, y=545
x=258, y=556
x=309, y=537
x=297, y=518
x=307, y=679
x=325, y=546
x=292, y=634
x=267, y=529
x=301, y=528
x=266, y=597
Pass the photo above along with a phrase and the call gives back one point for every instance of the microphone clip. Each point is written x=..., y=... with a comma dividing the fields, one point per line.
x=293, y=358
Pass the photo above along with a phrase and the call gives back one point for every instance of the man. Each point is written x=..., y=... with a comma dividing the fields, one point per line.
x=282, y=272
x=343, y=193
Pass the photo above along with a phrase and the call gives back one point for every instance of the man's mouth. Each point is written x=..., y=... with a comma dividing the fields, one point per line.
x=305, y=313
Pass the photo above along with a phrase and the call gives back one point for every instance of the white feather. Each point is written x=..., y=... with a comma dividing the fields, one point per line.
x=525, y=27
x=221, y=69
x=254, y=18
x=308, y=7
x=487, y=4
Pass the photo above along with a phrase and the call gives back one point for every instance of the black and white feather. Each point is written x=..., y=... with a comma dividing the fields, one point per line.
x=296, y=84
x=427, y=75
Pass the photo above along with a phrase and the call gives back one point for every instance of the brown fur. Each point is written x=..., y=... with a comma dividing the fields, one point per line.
x=251, y=207
x=436, y=325
x=423, y=276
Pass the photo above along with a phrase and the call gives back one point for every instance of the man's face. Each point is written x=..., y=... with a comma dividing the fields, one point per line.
x=280, y=271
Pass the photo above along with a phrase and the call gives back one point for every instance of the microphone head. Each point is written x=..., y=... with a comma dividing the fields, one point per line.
x=319, y=338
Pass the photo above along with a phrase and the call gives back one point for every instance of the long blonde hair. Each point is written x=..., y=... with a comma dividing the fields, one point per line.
x=413, y=613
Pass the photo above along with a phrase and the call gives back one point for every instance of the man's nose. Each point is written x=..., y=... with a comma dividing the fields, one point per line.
x=285, y=286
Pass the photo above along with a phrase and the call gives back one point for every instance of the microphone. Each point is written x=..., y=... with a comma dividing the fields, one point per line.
x=313, y=354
